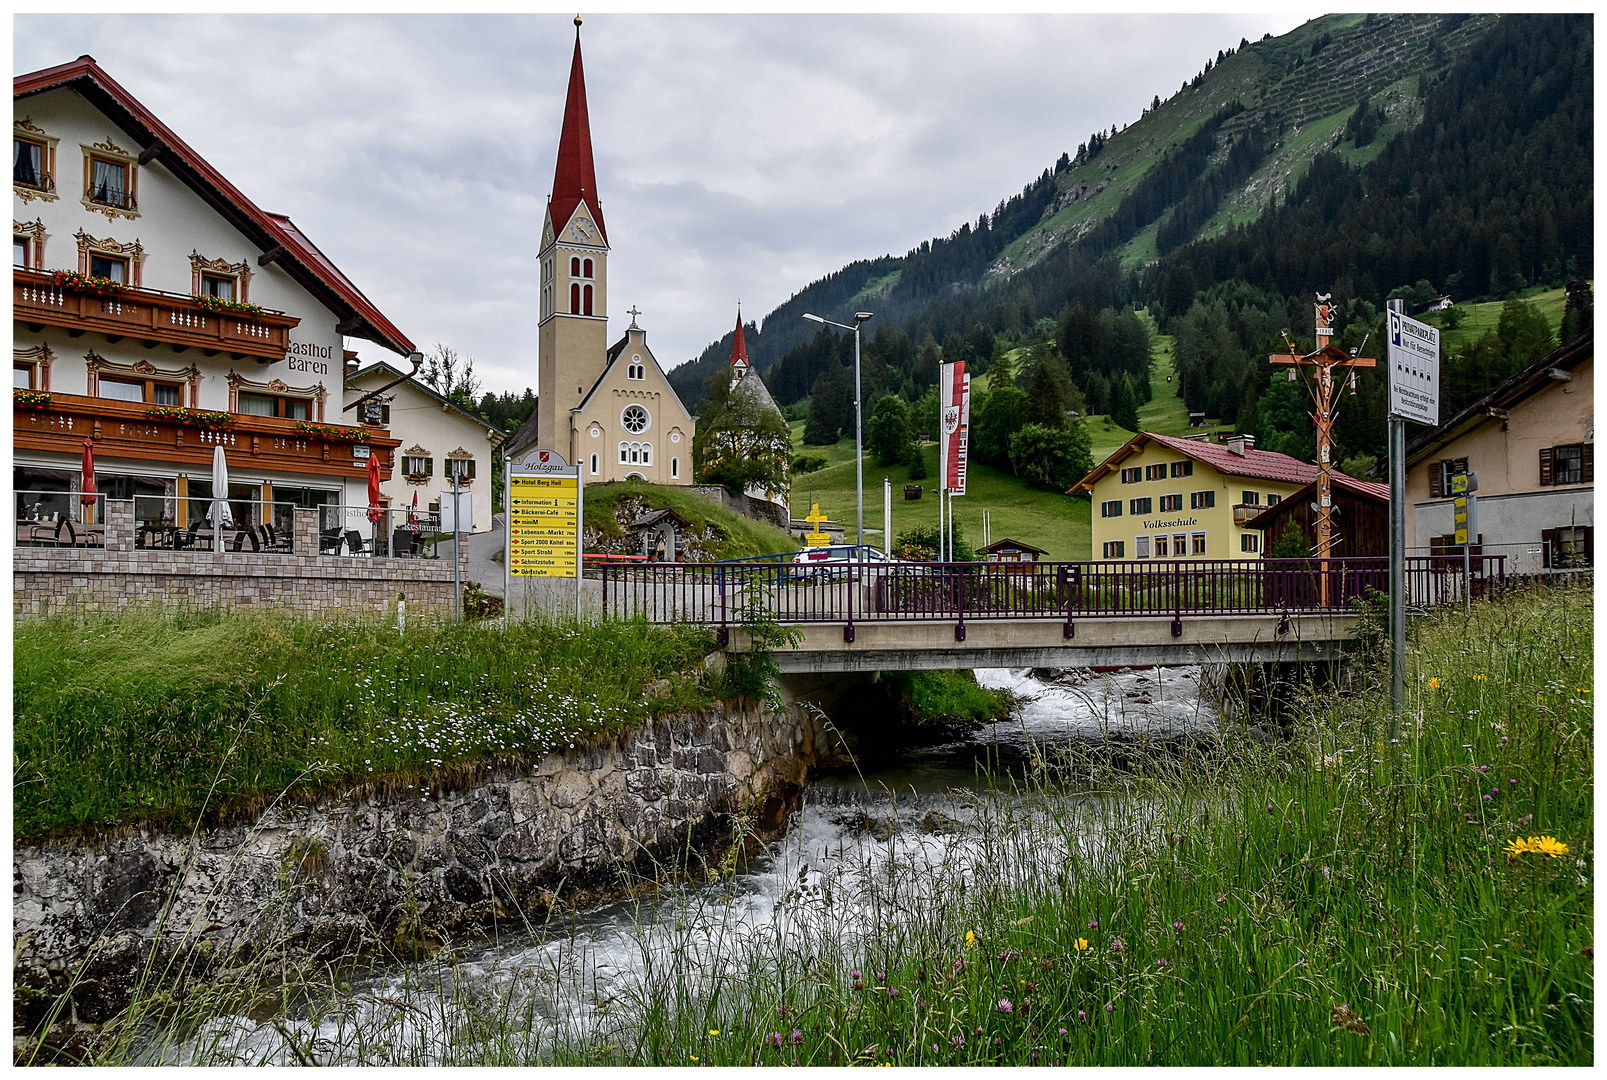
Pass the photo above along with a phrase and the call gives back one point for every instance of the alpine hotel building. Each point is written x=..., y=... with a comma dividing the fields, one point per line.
x=159, y=313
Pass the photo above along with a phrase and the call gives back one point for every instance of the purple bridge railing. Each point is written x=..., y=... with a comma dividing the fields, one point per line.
x=732, y=593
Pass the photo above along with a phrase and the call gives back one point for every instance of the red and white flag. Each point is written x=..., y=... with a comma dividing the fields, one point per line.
x=954, y=409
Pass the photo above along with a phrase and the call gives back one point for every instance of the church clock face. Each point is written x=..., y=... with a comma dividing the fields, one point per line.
x=582, y=230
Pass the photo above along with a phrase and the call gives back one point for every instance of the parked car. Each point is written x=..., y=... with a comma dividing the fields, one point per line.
x=829, y=563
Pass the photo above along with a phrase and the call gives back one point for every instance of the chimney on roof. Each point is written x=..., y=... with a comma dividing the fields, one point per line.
x=1238, y=444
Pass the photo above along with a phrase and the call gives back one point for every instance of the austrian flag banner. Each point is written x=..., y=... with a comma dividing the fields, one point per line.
x=954, y=408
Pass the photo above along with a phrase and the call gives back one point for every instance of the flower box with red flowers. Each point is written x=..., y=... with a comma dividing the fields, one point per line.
x=231, y=307
x=201, y=418
x=333, y=434
x=31, y=399
x=72, y=279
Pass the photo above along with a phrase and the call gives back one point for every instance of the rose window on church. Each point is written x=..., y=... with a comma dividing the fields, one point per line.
x=634, y=418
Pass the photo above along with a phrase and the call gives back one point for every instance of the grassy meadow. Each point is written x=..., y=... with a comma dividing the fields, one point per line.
x=1481, y=318
x=169, y=717
x=1333, y=900
x=736, y=536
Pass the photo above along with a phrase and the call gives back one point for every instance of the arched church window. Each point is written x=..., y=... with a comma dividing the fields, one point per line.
x=594, y=464
x=585, y=268
x=647, y=453
x=675, y=468
x=588, y=299
x=624, y=453
x=574, y=267
x=574, y=299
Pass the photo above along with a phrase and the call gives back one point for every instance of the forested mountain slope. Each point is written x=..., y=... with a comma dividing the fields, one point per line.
x=1218, y=152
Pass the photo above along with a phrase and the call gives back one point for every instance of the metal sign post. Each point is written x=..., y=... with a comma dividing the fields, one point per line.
x=1463, y=503
x=1414, y=393
x=457, y=542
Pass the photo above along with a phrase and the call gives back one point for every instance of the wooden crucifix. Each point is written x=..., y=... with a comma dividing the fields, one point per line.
x=1325, y=359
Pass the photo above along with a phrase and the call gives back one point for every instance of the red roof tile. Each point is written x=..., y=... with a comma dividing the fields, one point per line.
x=1260, y=464
x=1253, y=463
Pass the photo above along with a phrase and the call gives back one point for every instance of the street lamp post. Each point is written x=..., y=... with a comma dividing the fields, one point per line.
x=859, y=449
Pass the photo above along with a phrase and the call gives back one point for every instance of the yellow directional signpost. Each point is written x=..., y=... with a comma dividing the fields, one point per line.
x=1464, y=515
x=545, y=504
x=816, y=538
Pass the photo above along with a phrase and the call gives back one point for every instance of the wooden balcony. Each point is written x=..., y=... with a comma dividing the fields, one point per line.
x=149, y=317
x=121, y=429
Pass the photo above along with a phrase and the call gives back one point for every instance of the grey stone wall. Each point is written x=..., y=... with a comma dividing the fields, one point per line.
x=402, y=866
x=110, y=578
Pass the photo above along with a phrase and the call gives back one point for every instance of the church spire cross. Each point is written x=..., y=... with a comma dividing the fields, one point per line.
x=633, y=313
x=574, y=180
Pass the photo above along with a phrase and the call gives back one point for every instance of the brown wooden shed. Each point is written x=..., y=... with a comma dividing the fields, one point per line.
x=1008, y=551
x=1361, y=521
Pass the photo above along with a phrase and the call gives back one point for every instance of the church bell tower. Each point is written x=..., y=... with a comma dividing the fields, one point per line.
x=573, y=327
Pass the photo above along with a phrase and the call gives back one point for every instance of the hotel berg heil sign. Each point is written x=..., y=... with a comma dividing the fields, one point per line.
x=544, y=515
x=1414, y=370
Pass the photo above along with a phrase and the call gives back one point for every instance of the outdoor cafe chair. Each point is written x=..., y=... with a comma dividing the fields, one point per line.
x=355, y=542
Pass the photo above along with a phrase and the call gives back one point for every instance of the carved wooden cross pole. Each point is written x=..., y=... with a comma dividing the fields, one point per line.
x=1325, y=359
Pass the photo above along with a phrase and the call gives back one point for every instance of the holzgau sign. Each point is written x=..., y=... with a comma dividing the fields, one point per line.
x=545, y=511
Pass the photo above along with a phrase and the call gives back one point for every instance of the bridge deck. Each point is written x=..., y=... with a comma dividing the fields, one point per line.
x=1129, y=642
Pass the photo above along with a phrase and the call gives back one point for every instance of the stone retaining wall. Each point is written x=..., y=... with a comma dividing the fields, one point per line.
x=110, y=578
x=325, y=882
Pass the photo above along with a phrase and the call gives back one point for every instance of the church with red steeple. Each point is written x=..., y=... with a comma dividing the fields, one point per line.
x=608, y=408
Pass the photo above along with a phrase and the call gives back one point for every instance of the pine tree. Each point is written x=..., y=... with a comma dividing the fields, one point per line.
x=1124, y=407
x=1579, y=313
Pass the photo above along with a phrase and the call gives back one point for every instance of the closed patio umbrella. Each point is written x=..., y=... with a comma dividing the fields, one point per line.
x=220, y=515
x=374, y=510
x=375, y=513
x=86, y=491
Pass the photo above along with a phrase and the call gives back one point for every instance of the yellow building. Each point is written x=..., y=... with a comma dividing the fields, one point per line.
x=1161, y=497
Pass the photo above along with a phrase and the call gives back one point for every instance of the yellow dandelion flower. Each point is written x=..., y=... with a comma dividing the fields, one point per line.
x=1548, y=845
x=1517, y=846
x=1581, y=689
x=1082, y=944
x=714, y=1031
x=970, y=940
x=1478, y=678
x=1434, y=682
x=692, y=1056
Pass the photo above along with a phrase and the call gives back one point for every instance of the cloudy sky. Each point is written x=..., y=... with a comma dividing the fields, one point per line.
x=737, y=156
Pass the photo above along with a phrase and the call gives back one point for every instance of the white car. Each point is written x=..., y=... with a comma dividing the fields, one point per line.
x=833, y=562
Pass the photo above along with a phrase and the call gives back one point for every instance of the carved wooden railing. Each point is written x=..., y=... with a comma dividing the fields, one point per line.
x=149, y=316
x=125, y=429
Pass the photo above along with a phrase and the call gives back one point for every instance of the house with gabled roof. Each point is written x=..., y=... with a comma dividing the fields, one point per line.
x=438, y=436
x=1164, y=497
x=159, y=313
x=1532, y=443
